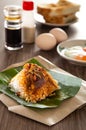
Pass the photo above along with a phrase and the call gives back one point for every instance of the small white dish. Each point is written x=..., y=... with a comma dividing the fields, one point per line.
x=68, y=44
x=39, y=18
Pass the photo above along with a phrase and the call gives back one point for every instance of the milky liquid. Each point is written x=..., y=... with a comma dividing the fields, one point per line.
x=28, y=34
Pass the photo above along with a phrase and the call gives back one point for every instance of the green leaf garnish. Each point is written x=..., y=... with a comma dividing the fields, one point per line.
x=69, y=86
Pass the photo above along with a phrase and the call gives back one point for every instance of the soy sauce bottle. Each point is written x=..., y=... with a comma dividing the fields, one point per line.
x=13, y=27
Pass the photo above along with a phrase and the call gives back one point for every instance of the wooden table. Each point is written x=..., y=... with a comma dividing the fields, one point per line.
x=11, y=121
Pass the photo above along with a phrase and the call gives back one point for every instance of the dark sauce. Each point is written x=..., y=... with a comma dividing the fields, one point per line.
x=13, y=37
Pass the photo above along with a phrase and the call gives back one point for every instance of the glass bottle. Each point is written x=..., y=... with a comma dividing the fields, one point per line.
x=13, y=27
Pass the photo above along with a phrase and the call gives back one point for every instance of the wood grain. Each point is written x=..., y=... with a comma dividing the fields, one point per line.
x=11, y=121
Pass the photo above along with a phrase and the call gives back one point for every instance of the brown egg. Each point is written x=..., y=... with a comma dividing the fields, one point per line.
x=59, y=34
x=45, y=41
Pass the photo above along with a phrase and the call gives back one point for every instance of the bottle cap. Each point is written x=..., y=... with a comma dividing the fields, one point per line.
x=28, y=5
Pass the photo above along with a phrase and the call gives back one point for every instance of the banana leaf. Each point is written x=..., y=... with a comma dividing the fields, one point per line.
x=69, y=86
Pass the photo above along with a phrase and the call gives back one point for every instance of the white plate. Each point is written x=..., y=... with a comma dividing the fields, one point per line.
x=39, y=18
x=68, y=44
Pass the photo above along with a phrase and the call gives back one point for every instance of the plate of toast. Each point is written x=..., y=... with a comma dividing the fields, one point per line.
x=62, y=13
x=39, y=19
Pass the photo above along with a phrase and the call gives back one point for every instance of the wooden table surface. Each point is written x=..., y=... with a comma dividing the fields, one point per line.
x=11, y=121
